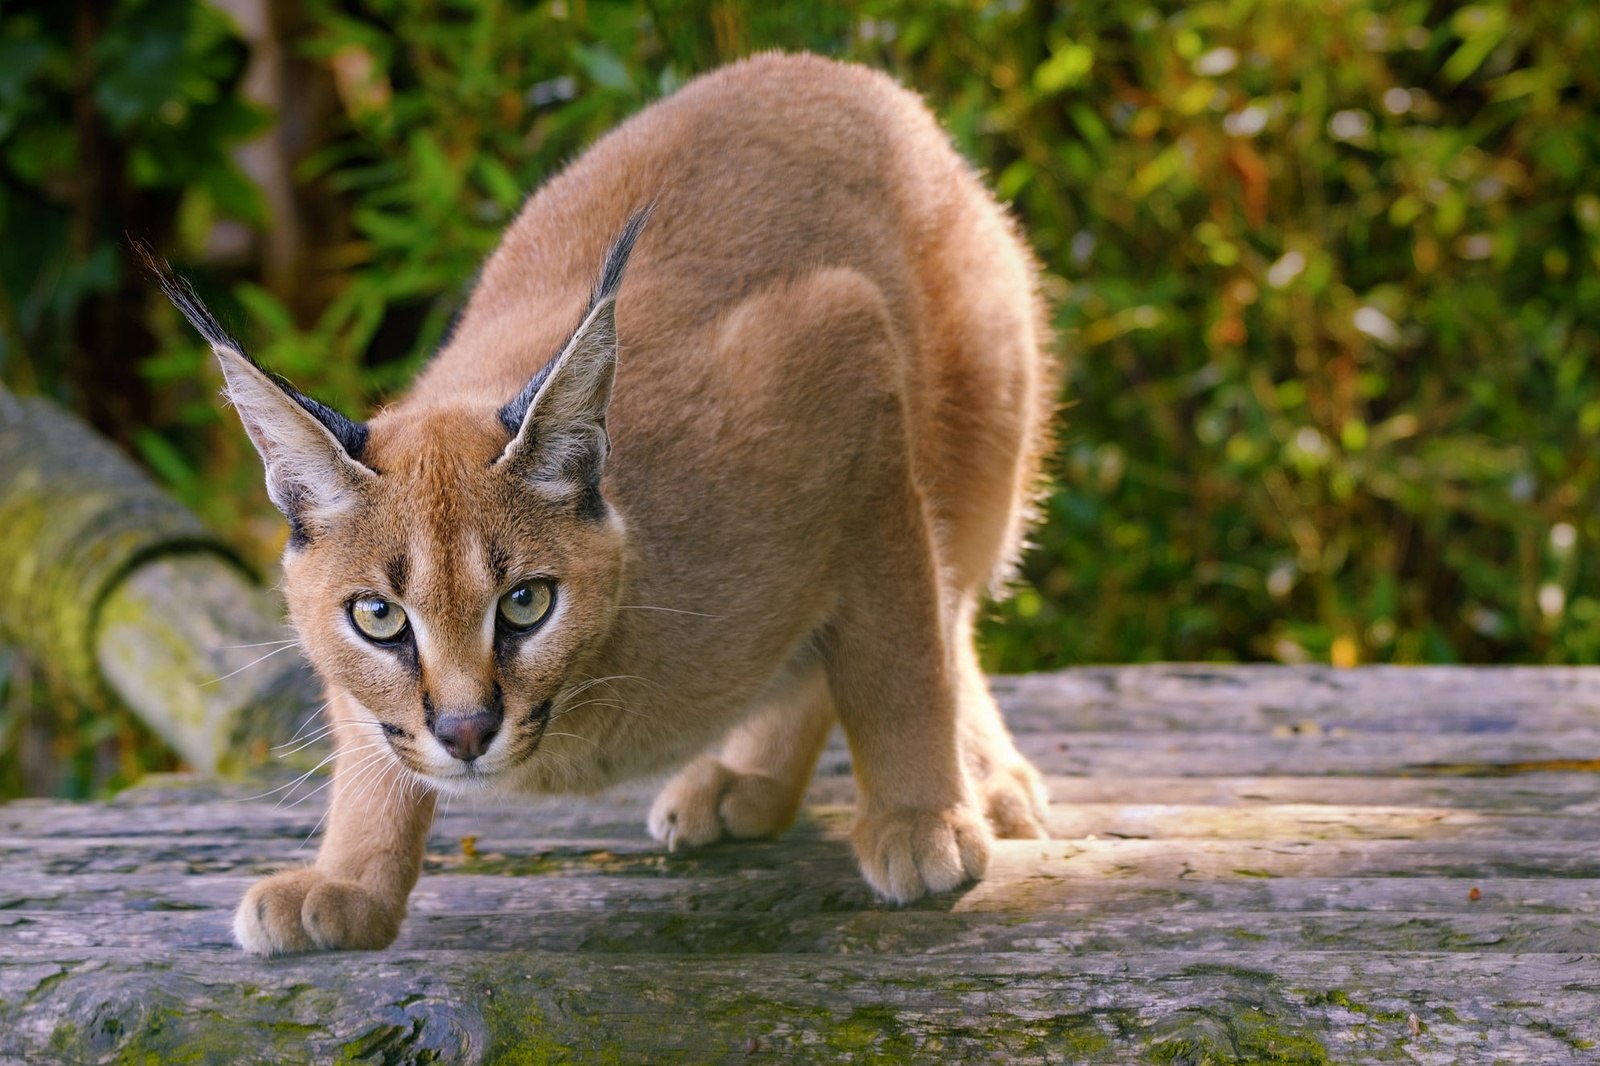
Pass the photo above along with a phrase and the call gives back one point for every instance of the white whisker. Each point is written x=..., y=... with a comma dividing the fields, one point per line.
x=322, y=734
x=283, y=750
x=615, y=677
x=311, y=719
x=329, y=781
x=614, y=704
x=259, y=644
x=292, y=784
x=248, y=665
x=669, y=610
x=361, y=770
x=574, y=736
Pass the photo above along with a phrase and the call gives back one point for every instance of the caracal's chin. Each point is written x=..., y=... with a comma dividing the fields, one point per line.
x=471, y=781
x=537, y=772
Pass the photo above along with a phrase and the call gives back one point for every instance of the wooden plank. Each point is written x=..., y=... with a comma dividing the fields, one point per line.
x=186, y=807
x=1093, y=927
x=1255, y=699
x=1209, y=754
x=821, y=859
x=31, y=897
x=469, y=1005
x=1251, y=865
x=625, y=828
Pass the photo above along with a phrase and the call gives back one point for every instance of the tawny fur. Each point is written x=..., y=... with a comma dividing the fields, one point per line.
x=830, y=398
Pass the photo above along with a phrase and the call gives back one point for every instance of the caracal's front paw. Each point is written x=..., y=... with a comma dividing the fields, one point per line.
x=306, y=910
x=707, y=801
x=907, y=853
x=1016, y=801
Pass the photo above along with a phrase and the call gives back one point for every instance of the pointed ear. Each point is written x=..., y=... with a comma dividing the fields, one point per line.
x=558, y=420
x=312, y=453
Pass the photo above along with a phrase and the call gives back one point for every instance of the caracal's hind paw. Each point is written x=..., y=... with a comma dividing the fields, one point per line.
x=707, y=801
x=1016, y=802
x=907, y=853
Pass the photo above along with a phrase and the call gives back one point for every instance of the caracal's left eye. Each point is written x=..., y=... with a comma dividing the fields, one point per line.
x=379, y=620
x=526, y=605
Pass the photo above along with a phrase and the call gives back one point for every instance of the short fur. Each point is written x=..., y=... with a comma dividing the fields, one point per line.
x=769, y=471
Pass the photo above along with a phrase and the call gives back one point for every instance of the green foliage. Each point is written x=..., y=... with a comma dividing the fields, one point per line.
x=1330, y=296
x=1326, y=276
x=107, y=112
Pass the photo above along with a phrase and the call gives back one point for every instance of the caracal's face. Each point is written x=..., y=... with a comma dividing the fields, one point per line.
x=457, y=602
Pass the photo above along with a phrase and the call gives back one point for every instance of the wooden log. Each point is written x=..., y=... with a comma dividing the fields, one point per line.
x=483, y=1003
x=1329, y=909
x=122, y=594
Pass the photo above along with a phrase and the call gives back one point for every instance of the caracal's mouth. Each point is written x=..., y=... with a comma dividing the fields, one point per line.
x=484, y=773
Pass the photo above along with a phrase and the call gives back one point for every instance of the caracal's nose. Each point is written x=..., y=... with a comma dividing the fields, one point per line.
x=467, y=736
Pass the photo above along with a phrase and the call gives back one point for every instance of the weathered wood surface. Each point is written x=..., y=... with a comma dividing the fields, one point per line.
x=1251, y=865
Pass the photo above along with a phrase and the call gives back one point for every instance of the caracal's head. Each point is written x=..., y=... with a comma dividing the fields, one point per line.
x=451, y=567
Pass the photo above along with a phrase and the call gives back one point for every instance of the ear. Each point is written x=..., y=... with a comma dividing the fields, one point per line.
x=558, y=420
x=312, y=453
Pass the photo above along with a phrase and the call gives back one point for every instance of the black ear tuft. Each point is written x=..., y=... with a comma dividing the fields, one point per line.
x=183, y=297
x=616, y=262
x=351, y=435
x=514, y=413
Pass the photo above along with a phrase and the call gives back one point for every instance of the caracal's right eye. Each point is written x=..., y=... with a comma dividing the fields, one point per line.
x=379, y=620
x=525, y=606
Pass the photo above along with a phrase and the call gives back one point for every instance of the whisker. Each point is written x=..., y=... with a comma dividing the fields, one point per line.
x=615, y=677
x=574, y=736
x=329, y=781
x=322, y=734
x=566, y=761
x=311, y=719
x=260, y=644
x=669, y=610
x=292, y=784
x=614, y=704
x=568, y=705
x=284, y=751
x=363, y=769
x=376, y=779
x=248, y=665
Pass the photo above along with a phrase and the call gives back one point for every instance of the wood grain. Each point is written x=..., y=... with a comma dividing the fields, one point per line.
x=1249, y=864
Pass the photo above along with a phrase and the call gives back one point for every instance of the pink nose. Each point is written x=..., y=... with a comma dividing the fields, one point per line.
x=467, y=736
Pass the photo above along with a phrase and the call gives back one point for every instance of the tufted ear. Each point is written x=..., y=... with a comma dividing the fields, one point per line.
x=312, y=453
x=558, y=421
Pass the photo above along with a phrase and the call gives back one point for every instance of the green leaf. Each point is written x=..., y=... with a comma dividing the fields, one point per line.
x=602, y=67
x=498, y=182
x=139, y=60
x=1481, y=28
x=1069, y=65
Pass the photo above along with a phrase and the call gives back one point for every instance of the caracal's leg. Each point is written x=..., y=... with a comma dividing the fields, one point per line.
x=754, y=787
x=1009, y=789
x=354, y=896
x=918, y=828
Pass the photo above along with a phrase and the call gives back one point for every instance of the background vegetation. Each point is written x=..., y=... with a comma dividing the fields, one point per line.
x=1327, y=277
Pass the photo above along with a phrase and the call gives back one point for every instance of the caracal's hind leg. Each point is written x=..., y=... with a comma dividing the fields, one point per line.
x=753, y=788
x=918, y=828
x=1009, y=789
